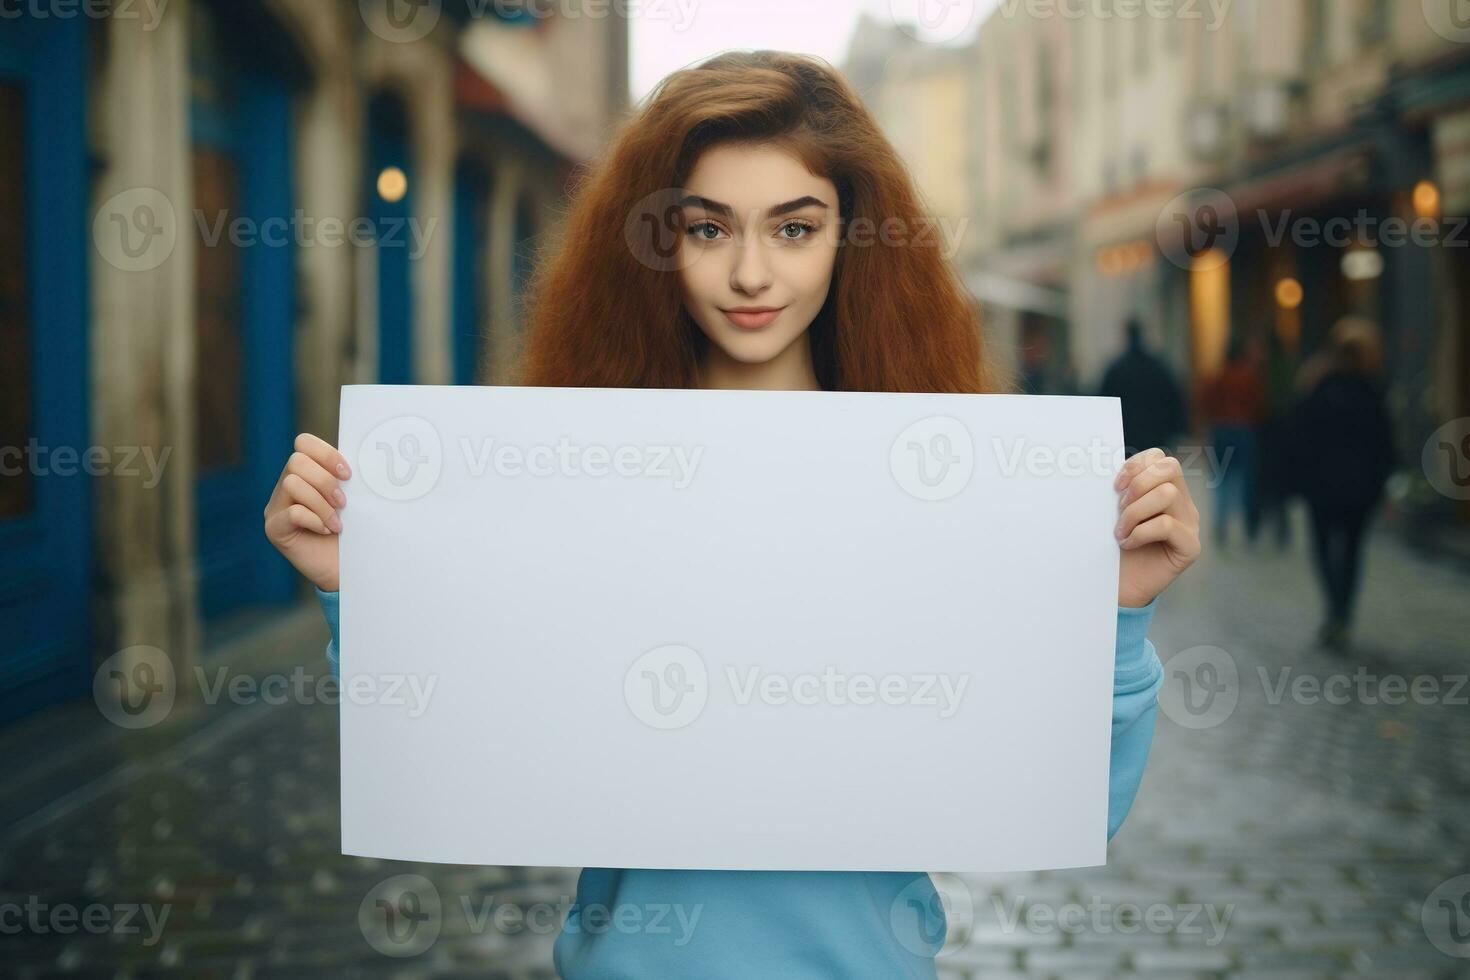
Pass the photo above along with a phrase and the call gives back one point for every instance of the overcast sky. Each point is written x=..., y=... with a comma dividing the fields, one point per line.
x=668, y=34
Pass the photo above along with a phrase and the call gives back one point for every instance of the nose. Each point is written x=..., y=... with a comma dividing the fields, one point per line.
x=751, y=273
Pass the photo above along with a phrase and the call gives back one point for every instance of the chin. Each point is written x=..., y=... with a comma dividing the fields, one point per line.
x=752, y=348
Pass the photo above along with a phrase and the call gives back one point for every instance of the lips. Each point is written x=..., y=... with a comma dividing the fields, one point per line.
x=752, y=317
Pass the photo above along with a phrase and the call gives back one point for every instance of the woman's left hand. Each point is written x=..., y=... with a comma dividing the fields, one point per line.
x=1159, y=527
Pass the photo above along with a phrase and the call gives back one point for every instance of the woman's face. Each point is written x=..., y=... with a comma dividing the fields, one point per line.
x=759, y=234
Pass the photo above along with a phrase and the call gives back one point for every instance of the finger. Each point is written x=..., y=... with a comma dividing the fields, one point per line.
x=1166, y=470
x=324, y=453
x=306, y=495
x=1164, y=528
x=1134, y=464
x=302, y=516
x=312, y=472
x=1150, y=505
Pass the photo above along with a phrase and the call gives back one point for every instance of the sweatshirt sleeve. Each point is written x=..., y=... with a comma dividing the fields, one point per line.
x=1137, y=677
x=330, y=600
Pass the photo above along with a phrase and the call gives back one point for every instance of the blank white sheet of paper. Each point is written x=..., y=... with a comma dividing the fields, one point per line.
x=760, y=630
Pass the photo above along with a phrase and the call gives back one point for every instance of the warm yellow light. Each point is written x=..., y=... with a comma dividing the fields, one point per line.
x=1209, y=310
x=392, y=184
x=1426, y=199
x=1288, y=294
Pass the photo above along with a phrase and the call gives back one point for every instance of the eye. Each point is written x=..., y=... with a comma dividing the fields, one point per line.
x=795, y=230
x=706, y=231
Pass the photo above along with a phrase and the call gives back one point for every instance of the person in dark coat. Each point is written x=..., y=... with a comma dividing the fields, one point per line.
x=1153, y=408
x=1344, y=453
x=1274, y=439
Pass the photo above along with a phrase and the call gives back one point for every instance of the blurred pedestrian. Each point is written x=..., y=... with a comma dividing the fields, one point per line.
x=1153, y=407
x=1344, y=452
x=1275, y=487
x=1234, y=405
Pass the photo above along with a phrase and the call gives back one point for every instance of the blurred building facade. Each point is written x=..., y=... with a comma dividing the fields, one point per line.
x=1246, y=177
x=212, y=214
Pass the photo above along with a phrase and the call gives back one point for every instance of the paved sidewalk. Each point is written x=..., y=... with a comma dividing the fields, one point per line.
x=1300, y=832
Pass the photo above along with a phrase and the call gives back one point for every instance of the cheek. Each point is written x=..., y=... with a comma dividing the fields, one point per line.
x=809, y=273
x=696, y=281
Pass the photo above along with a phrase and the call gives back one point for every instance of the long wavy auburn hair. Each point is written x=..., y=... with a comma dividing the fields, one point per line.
x=604, y=311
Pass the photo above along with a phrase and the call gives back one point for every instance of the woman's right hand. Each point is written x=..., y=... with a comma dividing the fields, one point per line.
x=301, y=516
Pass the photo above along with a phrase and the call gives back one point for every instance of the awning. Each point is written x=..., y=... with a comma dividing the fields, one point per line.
x=1016, y=294
x=1310, y=182
x=511, y=68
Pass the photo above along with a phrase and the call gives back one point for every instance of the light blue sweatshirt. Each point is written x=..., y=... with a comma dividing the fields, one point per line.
x=714, y=925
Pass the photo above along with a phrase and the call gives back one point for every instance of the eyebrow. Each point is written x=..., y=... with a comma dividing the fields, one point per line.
x=716, y=207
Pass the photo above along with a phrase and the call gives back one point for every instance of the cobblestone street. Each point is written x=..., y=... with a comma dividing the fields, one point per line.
x=1295, y=835
x=1300, y=824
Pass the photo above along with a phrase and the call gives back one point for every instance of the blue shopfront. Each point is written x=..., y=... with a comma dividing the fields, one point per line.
x=45, y=510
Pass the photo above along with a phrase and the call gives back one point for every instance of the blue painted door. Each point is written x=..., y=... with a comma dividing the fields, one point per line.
x=471, y=199
x=389, y=206
x=45, y=507
x=240, y=119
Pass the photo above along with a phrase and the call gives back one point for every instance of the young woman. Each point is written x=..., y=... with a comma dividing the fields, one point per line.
x=752, y=228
